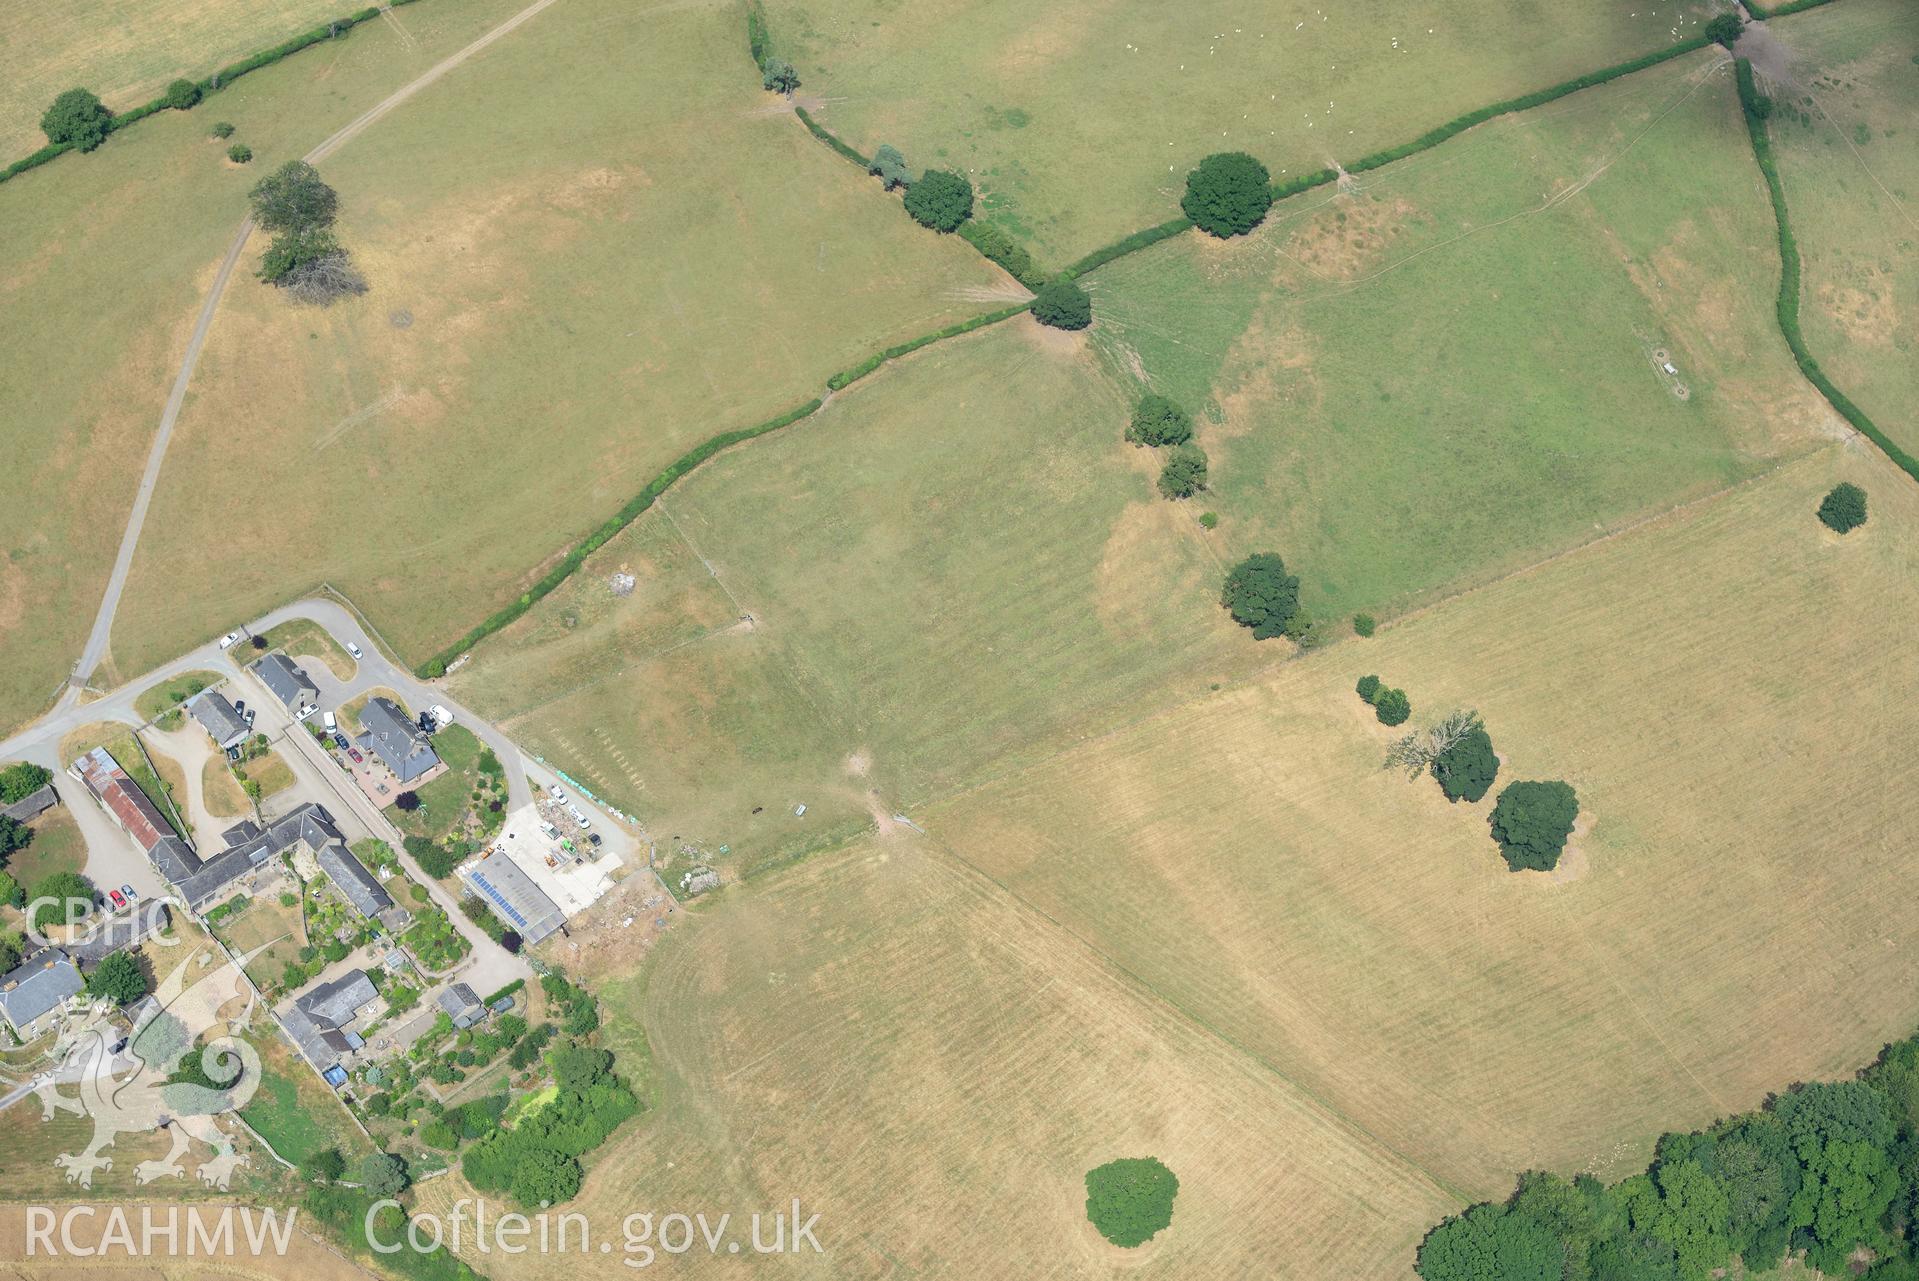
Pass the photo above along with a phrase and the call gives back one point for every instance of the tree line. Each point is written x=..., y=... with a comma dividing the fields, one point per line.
x=1828, y=1171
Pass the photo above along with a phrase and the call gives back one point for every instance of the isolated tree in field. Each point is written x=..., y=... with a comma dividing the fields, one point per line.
x=1130, y=1200
x=1725, y=29
x=1391, y=706
x=1184, y=473
x=119, y=979
x=941, y=200
x=1061, y=304
x=221, y=129
x=779, y=76
x=890, y=165
x=294, y=198
x=1228, y=194
x=1466, y=769
x=1416, y=752
x=79, y=117
x=1363, y=625
x=1368, y=689
x=182, y=94
x=1531, y=822
x=1262, y=595
x=1844, y=509
x=240, y=154
x=1158, y=421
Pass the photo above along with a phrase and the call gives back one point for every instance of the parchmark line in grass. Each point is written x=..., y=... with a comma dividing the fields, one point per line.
x=959, y=864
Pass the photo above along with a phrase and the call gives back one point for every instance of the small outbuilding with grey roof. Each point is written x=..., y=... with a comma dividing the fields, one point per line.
x=397, y=741
x=462, y=1005
x=219, y=718
x=289, y=683
x=317, y=1020
x=34, y=992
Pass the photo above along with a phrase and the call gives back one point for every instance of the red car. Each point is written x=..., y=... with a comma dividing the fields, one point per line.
x=119, y=899
x=354, y=752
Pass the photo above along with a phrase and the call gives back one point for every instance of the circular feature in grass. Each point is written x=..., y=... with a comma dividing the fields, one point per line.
x=1130, y=1200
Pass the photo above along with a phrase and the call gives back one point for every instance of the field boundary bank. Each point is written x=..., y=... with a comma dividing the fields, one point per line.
x=758, y=44
x=332, y=29
x=1756, y=107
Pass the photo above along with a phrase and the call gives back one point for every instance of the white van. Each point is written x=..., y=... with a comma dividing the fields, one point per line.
x=579, y=816
x=331, y=723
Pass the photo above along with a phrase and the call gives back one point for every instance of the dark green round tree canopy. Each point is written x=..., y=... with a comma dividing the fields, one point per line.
x=1844, y=509
x=1228, y=194
x=1262, y=595
x=77, y=116
x=1466, y=770
x=941, y=200
x=1158, y=421
x=1531, y=822
x=1130, y=1200
x=1061, y=304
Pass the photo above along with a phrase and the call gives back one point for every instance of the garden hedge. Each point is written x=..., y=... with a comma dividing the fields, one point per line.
x=1787, y=306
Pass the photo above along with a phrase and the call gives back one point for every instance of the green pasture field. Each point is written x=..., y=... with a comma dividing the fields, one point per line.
x=562, y=302
x=958, y=564
x=1078, y=121
x=954, y=561
x=127, y=51
x=103, y=266
x=1847, y=133
x=1455, y=367
x=57, y=846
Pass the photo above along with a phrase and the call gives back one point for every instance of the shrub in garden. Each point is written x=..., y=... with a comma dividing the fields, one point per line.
x=890, y=165
x=941, y=200
x=407, y=802
x=1844, y=509
x=78, y=117
x=1531, y=822
x=1261, y=595
x=1391, y=706
x=1130, y=1200
x=1158, y=421
x=1061, y=304
x=1184, y=473
x=1228, y=194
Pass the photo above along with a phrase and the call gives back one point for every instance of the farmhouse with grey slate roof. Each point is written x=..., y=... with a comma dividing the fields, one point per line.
x=397, y=741
x=290, y=684
x=34, y=992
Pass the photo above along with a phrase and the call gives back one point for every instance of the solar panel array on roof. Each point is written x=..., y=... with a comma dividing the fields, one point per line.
x=521, y=902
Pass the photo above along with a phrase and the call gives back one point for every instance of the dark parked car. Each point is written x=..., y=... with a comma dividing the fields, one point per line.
x=339, y=741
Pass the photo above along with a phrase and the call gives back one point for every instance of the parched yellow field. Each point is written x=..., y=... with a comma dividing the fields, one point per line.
x=104, y=262
x=568, y=291
x=932, y=1068
x=128, y=50
x=1726, y=690
x=1225, y=937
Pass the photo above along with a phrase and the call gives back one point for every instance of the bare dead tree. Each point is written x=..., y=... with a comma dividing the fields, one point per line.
x=329, y=277
x=1416, y=752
